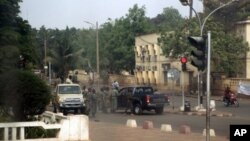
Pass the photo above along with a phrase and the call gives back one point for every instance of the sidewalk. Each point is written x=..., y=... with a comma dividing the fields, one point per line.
x=100, y=131
x=199, y=113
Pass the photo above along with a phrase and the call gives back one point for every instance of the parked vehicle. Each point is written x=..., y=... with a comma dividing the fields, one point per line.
x=167, y=98
x=69, y=97
x=231, y=101
x=140, y=98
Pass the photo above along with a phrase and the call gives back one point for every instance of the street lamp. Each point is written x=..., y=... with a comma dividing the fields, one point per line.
x=223, y=5
x=97, y=45
x=189, y=3
x=184, y=2
x=97, y=50
x=45, y=58
x=45, y=55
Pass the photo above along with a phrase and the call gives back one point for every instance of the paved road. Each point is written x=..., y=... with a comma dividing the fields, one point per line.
x=197, y=122
x=106, y=131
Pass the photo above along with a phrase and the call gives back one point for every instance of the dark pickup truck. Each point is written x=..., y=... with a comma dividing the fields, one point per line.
x=140, y=98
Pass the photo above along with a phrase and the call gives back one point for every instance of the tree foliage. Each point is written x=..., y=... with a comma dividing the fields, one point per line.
x=228, y=49
x=15, y=36
x=25, y=93
x=120, y=40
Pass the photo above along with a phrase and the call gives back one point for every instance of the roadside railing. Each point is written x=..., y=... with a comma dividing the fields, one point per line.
x=73, y=127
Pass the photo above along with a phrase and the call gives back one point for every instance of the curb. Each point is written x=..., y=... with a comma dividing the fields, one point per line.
x=195, y=113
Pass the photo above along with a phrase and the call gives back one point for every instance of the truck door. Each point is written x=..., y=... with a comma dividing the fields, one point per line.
x=121, y=98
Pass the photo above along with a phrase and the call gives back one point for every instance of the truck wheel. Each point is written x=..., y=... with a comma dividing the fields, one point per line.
x=82, y=110
x=65, y=112
x=137, y=110
x=75, y=111
x=159, y=110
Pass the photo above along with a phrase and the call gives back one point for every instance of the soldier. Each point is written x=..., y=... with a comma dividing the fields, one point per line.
x=99, y=99
x=106, y=99
x=129, y=105
x=114, y=95
x=93, y=102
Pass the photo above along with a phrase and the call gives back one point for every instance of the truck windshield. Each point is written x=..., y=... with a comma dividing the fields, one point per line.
x=144, y=90
x=69, y=90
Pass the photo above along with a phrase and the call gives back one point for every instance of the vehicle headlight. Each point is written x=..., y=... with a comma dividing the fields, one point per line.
x=61, y=100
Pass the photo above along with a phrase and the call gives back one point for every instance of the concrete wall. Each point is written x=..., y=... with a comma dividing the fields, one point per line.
x=218, y=85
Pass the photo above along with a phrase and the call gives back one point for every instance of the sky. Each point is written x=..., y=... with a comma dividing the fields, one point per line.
x=72, y=13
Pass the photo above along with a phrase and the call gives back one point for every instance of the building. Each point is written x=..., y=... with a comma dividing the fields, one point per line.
x=153, y=68
x=243, y=29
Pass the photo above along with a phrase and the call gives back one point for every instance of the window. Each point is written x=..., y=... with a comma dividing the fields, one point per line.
x=69, y=90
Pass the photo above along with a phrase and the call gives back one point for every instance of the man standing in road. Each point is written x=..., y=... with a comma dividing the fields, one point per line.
x=114, y=95
x=92, y=102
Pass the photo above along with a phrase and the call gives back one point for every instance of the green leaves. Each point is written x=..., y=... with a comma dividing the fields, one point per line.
x=25, y=92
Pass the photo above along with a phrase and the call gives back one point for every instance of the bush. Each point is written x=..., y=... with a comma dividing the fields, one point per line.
x=25, y=93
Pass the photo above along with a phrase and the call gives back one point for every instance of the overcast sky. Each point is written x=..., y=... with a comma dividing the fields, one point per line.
x=73, y=13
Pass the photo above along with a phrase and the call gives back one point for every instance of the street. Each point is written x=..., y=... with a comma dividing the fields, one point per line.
x=197, y=123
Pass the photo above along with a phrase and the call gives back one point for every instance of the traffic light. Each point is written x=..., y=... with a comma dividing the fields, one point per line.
x=184, y=2
x=183, y=63
x=198, y=55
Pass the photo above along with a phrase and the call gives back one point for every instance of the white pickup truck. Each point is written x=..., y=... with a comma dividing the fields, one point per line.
x=69, y=97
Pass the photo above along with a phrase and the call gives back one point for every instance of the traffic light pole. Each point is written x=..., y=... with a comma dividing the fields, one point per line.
x=183, y=98
x=208, y=87
x=196, y=41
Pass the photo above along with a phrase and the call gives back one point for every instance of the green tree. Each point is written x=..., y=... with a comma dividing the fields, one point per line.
x=15, y=37
x=24, y=102
x=118, y=45
x=169, y=20
x=65, y=55
x=173, y=33
x=9, y=52
x=86, y=40
x=228, y=49
x=230, y=14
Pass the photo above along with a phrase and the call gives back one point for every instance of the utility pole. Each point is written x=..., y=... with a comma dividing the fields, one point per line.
x=97, y=51
x=191, y=9
x=97, y=55
x=45, y=57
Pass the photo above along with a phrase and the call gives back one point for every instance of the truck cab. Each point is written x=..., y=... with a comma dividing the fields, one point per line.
x=69, y=97
x=141, y=98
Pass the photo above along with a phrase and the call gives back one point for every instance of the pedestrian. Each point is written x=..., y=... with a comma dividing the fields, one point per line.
x=102, y=100
x=114, y=95
x=106, y=100
x=115, y=85
x=99, y=99
x=55, y=101
x=69, y=80
x=227, y=94
x=129, y=105
x=93, y=102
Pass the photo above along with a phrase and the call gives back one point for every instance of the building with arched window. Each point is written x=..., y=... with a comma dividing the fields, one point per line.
x=153, y=68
